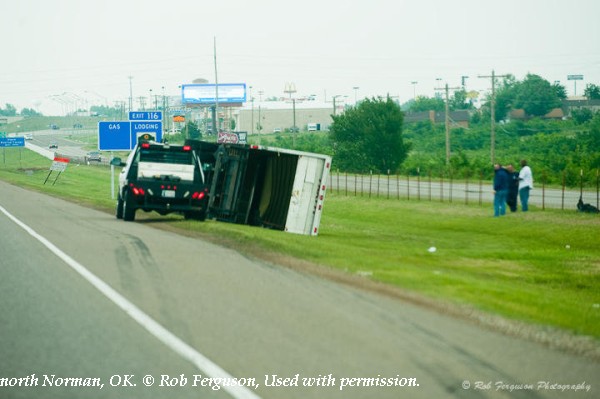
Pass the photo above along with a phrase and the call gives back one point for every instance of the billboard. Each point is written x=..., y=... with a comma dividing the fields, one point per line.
x=205, y=94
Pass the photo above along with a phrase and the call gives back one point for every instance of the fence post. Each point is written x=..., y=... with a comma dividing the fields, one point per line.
x=388, y=182
x=407, y=185
x=597, y=188
x=429, y=185
x=480, y=188
x=466, y=187
x=564, y=183
x=451, y=183
x=370, y=182
x=442, y=186
x=418, y=184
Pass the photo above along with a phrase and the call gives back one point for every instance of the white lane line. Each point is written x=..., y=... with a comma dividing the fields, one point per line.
x=165, y=336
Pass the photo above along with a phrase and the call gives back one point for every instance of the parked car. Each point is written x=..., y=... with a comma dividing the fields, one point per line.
x=53, y=145
x=28, y=136
x=94, y=156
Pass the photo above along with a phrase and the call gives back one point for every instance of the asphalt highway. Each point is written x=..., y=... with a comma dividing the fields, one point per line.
x=89, y=300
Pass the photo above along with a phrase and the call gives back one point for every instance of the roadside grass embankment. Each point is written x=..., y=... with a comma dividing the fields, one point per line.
x=540, y=268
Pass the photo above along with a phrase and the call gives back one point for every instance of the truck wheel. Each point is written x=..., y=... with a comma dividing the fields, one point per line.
x=128, y=208
x=119, y=207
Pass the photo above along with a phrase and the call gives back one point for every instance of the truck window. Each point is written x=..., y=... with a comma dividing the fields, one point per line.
x=158, y=156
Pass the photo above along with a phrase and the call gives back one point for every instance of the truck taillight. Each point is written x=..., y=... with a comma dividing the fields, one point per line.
x=138, y=191
x=187, y=148
x=198, y=195
x=145, y=145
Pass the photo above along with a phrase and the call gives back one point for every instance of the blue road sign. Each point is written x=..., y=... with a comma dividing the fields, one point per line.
x=114, y=136
x=145, y=116
x=123, y=135
x=140, y=128
x=12, y=141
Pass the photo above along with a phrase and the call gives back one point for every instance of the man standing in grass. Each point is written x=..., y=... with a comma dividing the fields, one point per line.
x=513, y=187
x=525, y=184
x=501, y=181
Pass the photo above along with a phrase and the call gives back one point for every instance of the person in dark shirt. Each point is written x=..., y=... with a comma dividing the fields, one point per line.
x=501, y=183
x=513, y=187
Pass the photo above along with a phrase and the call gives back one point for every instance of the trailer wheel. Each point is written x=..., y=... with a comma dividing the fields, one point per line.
x=128, y=208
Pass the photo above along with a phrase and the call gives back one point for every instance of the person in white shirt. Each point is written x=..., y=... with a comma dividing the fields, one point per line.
x=525, y=185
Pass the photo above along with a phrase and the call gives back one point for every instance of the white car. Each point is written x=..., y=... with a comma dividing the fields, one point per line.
x=28, y=136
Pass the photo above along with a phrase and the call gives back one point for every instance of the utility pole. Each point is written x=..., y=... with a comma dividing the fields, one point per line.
x=447, y=120
x=493, y=76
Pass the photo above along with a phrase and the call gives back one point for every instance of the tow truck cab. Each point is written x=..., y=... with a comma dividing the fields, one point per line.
x=163, y=178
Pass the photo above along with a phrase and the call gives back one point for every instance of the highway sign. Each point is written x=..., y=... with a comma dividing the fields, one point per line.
x=114, y=136
x=139, y=128
x=12, y=141
x=574, y=77
x=145, y=116
x=122, y=136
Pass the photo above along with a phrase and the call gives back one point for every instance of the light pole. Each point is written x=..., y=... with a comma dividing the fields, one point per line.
x=414, y=83
x=130, y=93
x=355, y=88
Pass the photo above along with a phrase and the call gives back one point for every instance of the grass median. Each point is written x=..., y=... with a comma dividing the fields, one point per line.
x=540, y=267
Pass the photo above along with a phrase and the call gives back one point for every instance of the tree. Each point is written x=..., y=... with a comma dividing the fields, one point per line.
x=505, y=97
x=29, y=112
x=369, y=137
x=460, y=100
x=592, y=92
x=193, y=132
x=10, y=110
x=536, y=96
x=423, y=103
x=560, y=90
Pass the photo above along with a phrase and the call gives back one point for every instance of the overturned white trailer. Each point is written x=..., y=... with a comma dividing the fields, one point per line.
x=265, y=186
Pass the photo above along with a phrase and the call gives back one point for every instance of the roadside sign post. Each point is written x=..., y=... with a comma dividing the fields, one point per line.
x=10, y=142
x=58, y=164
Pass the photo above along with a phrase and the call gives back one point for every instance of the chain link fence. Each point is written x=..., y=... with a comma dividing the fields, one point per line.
x=467, y=190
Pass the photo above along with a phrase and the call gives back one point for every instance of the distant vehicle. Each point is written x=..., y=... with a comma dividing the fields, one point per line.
x=54, y=127
x=53, y=145
x=28, y=136
x=277, y=130
x=94, y=156
x=77, y=126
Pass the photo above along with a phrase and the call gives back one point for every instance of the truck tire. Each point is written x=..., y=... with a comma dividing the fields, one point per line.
x=119, y=208
x=128, y=208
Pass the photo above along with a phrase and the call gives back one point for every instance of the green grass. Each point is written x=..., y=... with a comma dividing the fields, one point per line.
x=542, y=267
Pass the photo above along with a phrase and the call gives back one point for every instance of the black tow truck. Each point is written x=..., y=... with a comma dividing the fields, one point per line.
x=162, y=178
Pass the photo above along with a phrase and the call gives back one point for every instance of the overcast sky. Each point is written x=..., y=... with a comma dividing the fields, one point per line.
x=324, y=47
